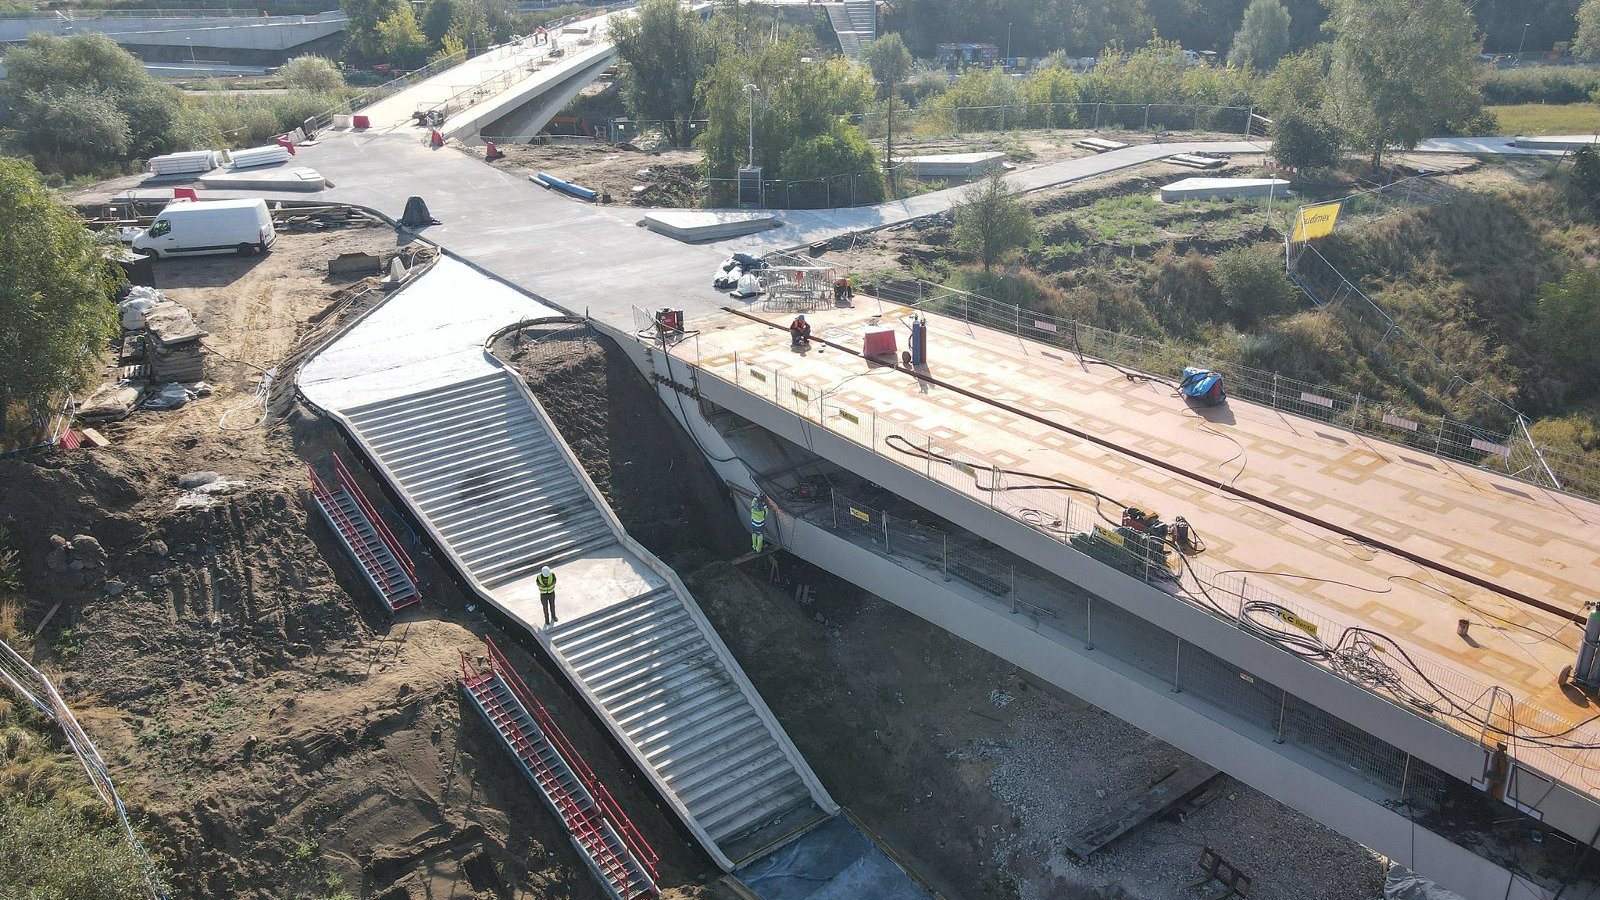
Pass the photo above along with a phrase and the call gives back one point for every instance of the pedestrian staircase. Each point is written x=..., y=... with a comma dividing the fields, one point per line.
x=656, y=674
x=383, y=561
x=855, y=22
x=616, y=853
x=481, y=465
x=482, y=468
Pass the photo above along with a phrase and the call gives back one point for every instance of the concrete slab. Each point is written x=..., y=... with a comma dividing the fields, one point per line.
x=429, y=334
x=282, y=178
x=1223, y=189
x=953, y=166
x=585, y=585
x=1557, y=141
x=701, y=225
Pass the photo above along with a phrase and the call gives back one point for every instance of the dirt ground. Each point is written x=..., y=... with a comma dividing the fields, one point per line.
x=666, y=178
x=277, y=734
x=967, y=767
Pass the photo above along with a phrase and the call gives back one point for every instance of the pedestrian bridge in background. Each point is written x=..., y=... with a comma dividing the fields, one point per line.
x=197, y=31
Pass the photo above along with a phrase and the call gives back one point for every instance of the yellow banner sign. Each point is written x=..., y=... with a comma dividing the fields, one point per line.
x=1315, y=222
x=1290, y=618
x=861, y=514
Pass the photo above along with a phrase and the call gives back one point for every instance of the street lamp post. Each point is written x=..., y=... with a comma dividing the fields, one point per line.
x=752, y=90
x=1520, y=43
x=1008, y=45
x=190, y=42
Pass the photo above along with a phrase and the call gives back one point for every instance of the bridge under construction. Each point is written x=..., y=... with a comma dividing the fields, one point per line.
x=1370, y=632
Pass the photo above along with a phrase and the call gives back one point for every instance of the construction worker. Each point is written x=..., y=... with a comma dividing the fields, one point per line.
x=758, y=522
x=799, y=331
x=546, y=580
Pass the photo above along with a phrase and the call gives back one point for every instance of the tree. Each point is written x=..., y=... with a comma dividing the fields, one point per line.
x=311, y=73
x=665, y=50
x=57, y=302
x=1587, y=44
x=401, y=39
x=890, y=63
x=1401, y=67
x=124, y=112
x=990, y=221
x=1297, y=85
x=436, y=19
x=361, y=29
x=797, y=99
x=1263, y=37
x=842, y=159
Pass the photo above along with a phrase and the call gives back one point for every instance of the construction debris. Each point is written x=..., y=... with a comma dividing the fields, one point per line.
x=1125, y=817
x=173, y=350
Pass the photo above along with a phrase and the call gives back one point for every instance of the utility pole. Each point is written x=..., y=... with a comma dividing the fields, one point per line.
x=1520, y=43
x=752, y=90
x=1008, y=45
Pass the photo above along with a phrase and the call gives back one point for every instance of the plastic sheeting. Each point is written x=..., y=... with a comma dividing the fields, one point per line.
x=1403, y=884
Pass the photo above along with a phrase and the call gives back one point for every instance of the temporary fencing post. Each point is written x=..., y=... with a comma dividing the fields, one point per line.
x=1177, y=659
x=944, y=559
x=1088, y=623
x=885, y=531
x=1283, y=704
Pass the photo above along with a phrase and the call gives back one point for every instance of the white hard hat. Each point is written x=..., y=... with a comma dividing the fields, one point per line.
x=545, y=570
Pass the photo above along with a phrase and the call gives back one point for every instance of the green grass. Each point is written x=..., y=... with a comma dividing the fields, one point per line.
x=1542, y=118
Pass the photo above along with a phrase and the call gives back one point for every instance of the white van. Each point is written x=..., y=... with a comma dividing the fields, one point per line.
x=211, y=226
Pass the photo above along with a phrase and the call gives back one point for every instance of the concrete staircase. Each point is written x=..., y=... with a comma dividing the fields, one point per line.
x=855, y=22
x=479, y=463
x=662, y=681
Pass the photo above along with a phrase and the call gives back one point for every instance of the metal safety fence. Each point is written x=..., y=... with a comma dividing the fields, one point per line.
x=34, y=688
x=1509, y=451
x=936, y=121
x=1091, y=525
x=953, y=555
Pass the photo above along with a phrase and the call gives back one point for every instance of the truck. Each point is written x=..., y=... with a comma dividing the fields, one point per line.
x=187, y=227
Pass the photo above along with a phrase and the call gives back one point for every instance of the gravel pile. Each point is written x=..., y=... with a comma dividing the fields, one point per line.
x=1059, y=773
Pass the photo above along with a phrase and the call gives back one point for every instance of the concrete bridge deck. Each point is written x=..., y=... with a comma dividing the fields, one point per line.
x=1506, y=531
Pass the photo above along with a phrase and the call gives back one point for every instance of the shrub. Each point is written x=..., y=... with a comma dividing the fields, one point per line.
x=52, y=852
x=1540, y=85
x=1252, y=283
x=311, y=73
x=1306, y=141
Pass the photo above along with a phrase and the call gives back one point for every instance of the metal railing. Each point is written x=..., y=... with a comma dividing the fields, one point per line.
x=369, y=96
x=324, y=15
x=935, y=120
x=36, y=689
x=939, y=551
x=1225, y=595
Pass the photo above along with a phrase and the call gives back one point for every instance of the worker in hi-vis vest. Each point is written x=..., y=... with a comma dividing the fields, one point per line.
x=546, y=580
x=758, y=522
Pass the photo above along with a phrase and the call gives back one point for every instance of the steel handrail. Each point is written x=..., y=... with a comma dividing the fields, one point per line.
x=358, y=544
x=629, y=832
x=378, y=524
x=579, y=821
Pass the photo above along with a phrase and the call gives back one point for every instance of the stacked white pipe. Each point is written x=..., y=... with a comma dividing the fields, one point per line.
x=255, y=157
x=189, y=162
